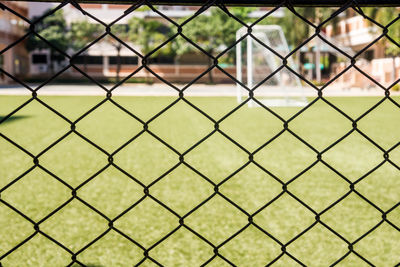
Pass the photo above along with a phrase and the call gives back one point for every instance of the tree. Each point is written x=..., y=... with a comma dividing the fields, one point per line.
x=296, y=32
x=213, y=33
x=53, y=28
x=385, y=15
x=120, y=31
x=81, y=34
x=148, y=34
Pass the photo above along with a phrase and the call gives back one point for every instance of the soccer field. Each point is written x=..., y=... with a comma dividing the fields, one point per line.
x=183, y=186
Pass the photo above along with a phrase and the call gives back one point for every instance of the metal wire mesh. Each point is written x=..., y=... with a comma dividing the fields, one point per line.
x=180, y=93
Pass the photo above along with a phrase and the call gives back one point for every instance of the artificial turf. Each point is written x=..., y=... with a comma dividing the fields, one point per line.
x=145, y=159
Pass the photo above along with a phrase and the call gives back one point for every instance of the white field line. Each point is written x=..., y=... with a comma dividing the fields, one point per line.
x=194, y=90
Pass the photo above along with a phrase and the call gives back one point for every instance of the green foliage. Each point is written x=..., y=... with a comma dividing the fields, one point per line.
x=214, y=32
x=53, y=28
x=83, y=32
x=149, y=34
x=384, y=16
x=119, y=30
x=296, y=31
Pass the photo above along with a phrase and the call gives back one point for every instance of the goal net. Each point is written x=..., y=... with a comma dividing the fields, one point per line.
x=255, y=62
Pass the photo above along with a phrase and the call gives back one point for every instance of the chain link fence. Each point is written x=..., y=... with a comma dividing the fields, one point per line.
x=216, y=255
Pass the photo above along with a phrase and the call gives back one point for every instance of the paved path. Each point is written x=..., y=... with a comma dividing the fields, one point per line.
x=194, y=90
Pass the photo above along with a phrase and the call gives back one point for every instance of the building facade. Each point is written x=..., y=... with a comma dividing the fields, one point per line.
x=356, y=32
x=14, y=61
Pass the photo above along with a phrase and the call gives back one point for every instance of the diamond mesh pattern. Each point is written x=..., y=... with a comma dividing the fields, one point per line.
x=216, y=246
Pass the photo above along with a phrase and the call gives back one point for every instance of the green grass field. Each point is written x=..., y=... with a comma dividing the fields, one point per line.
x=112, y=192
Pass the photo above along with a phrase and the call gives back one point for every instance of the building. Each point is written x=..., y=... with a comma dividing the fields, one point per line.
x=15, y=60
x=355, y=32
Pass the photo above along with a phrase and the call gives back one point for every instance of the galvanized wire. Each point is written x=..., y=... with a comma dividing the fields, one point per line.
x=108, y=93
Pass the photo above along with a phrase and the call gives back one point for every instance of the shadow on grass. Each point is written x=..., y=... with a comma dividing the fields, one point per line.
x=12, y=119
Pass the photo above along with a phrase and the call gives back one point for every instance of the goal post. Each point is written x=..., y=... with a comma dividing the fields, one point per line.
x=254, y=63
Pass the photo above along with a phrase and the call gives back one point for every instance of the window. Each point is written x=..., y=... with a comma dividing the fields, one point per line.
x=161, y=60
x=89, y=60
x=57, y=57
x=39, y=59
x=124, y=60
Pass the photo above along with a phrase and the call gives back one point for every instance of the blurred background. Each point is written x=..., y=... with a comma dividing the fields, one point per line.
x=145, y=29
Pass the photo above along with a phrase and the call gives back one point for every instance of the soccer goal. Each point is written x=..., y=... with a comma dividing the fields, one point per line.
x=255, y=62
